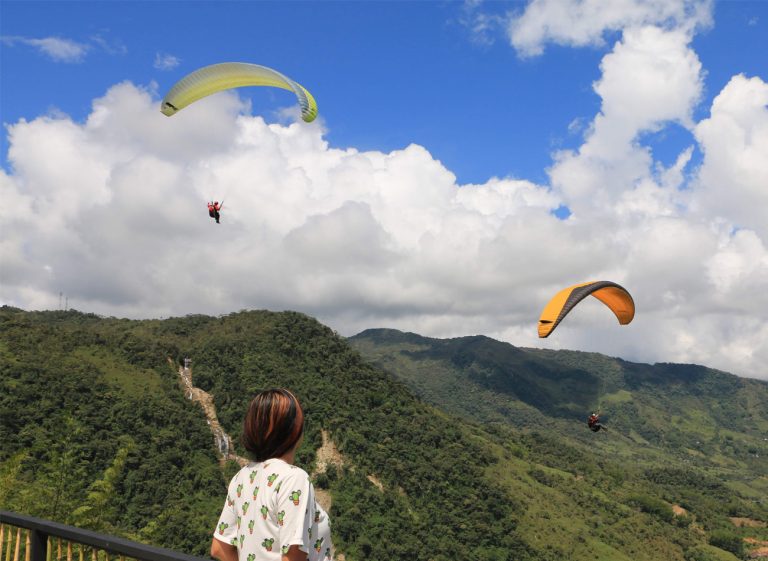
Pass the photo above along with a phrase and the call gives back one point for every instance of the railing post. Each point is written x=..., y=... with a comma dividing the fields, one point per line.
x=38, y=545
x=18, y=545
x=8, y=546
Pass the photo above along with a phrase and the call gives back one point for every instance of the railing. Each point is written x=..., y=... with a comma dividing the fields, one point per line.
x=33, y=539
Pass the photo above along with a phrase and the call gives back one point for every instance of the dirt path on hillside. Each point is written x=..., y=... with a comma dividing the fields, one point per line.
x=222, y=440
x=327, y=455
x=748, y=523
x=758, y=549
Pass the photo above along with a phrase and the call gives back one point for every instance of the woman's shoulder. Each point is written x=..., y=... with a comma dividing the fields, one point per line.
x=284, y=469
x=270, y=470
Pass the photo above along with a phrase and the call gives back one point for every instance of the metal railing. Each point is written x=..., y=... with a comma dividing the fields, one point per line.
x=33, y=539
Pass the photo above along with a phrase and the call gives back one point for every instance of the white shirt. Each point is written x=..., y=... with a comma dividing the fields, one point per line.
x=271, y=506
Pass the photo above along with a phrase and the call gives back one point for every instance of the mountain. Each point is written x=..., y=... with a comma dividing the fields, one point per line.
x=697, y=435
x=97, y=431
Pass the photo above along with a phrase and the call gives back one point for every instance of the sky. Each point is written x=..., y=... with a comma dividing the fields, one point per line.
x=470, y=160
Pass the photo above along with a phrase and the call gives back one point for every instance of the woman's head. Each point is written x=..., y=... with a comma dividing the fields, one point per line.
x=273, y=425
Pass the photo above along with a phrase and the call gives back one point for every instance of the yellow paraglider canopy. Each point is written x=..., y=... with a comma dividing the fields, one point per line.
x=227, y=75
x=609, y=293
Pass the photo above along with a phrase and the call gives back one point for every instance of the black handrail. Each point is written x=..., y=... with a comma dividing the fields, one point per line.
x=39, y=531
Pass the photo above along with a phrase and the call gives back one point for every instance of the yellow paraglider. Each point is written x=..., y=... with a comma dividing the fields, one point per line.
x=228, y=75
x=609, y=293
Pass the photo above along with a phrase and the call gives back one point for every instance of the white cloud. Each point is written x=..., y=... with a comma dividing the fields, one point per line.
x=60, y=49
x=649, y=79
x=110, y=46
x=482, y=26
x=165, y=61
x=56, y=48
x=113, y=214
x=584, y=22
x=733, y=180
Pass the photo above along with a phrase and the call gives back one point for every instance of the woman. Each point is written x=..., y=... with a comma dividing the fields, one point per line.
x=270, y=512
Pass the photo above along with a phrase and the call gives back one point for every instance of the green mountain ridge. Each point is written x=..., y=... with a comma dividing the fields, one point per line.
x=96, y=431
x=694, y=432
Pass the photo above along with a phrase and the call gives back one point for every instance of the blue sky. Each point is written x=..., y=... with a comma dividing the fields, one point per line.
x=471, y=159
x=385, y=74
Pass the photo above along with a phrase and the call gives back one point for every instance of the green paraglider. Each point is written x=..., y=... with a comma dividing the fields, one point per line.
x=227, y=75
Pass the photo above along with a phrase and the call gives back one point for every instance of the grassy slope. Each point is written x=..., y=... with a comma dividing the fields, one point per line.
x=110, y=380
x=665, y=420
x=452, y=488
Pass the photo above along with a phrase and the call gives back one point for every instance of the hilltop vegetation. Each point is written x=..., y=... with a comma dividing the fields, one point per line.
x=680, y=435
x=86, y=399
x=446, y=457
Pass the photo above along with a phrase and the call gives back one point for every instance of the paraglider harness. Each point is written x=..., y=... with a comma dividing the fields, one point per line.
x=213, y=210
x=593, y=422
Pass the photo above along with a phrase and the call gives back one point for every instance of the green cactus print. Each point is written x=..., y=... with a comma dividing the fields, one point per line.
x=233, y=541
x=239, y=490
x=284, y=550
x=239, y=520
x=230, y=502
x=271, y=479
x=242, y=539
x=295, y=497
x=267, y=543
x=250, y=526
x=253, y=476
x=246, y=504
x=319, y=545
x=280, y=517
x=264, y=511
x=317, y=516
x=251, y=556
x=223, y=526
x=255, y=492
x=327, y=552
x=279, y=484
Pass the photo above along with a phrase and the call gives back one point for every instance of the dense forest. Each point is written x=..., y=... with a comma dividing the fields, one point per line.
x=686, y=442
x=473, y=453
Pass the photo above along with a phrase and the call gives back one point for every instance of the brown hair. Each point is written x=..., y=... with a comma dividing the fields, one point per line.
x=273, y=425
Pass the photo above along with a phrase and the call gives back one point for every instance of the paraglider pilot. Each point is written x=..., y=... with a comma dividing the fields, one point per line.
x=593, y=422
x=213, y=210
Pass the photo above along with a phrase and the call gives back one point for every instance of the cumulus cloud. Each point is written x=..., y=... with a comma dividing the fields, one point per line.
x=165, y=61
x=111, y=211
x=585, y=22
x=733, y=180
x=692, y=241
x=56, y=48
x=649, y=79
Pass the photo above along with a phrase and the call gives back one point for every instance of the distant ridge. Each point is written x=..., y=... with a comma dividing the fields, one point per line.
x=466, y=449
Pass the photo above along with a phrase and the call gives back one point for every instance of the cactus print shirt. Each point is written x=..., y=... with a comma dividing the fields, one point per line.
x=271, y=506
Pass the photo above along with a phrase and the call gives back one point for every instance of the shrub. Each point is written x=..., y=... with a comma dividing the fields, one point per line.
x=653, y=506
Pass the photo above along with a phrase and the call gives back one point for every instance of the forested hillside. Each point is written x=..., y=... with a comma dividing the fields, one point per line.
x=96, y=431
x=687, y=435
